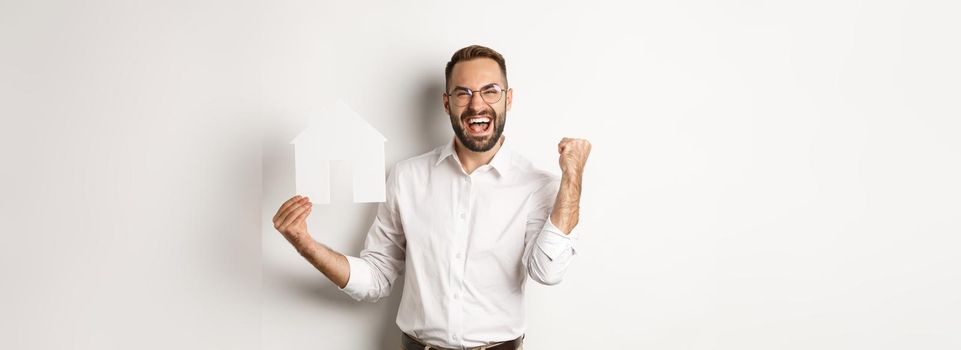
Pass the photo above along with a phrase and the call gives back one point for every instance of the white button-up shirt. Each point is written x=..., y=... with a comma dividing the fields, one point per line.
x=465, y=244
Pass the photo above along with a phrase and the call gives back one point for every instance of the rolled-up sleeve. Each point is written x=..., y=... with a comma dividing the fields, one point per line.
x=374, y=271
x=548, y=251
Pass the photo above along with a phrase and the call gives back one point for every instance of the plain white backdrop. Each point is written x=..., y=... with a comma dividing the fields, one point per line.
x=765, y=175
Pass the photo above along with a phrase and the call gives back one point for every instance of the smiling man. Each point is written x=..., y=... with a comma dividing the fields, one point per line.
x=466, y=223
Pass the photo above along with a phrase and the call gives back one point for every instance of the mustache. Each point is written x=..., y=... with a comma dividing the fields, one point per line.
x=470, y=112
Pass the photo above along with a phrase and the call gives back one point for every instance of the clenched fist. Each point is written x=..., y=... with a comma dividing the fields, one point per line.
x=291, y=220
x=573, y=156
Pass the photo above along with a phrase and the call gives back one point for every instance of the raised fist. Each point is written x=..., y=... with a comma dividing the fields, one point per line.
x=573, y=155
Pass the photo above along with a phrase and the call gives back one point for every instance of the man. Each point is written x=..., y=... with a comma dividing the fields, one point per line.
x=466, y=223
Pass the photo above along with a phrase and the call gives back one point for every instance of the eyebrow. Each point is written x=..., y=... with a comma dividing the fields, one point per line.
x=482, y=87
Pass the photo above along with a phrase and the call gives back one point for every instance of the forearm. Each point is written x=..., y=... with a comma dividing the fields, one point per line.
x=567, y=204
x=328, y=261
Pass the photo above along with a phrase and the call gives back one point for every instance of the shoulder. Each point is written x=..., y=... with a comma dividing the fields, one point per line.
x=537, y=178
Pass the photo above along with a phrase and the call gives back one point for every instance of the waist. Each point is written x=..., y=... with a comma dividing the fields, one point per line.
x=411, y=343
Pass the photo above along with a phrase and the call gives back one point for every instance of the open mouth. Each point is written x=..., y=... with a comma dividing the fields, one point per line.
x=478, y=125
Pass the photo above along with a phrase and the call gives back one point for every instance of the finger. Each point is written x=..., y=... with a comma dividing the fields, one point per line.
x=299, y=219
x=302, y=218
x=286, y=221
x=286, y=204
x=289, y=212
x=585, y=145
x=294, y=214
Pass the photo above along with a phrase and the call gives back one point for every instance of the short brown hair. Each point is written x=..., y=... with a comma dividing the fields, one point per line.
x=472, y=52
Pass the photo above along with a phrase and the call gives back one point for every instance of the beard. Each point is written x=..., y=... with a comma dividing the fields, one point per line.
x=479, y=144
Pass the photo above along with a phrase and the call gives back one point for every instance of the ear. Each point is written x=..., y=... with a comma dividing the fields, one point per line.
x=510, y=98
x=446, y=100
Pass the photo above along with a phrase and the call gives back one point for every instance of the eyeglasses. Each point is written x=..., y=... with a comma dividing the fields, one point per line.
x=490, y=94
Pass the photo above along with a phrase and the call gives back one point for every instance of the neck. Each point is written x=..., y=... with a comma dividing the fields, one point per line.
x=471, y=160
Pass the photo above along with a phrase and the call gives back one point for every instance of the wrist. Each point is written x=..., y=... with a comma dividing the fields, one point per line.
x=571, y=175
x=561, y=223
x=304, y=246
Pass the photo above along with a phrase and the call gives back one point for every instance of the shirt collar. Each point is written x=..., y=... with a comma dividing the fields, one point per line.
x=502, y=161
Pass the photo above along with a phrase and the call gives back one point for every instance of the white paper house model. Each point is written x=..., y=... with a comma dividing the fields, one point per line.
x=339, y=134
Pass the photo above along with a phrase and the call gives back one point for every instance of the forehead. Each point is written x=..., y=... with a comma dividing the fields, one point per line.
x=476, y=73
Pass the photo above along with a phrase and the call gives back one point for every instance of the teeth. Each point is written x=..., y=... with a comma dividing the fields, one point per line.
x=479, y=120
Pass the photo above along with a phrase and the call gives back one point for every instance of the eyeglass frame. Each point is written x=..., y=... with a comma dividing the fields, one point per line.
x=470, y=93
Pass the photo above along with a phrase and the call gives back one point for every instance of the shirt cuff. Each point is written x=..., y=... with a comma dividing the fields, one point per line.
x=553, y=242
x=359, y=282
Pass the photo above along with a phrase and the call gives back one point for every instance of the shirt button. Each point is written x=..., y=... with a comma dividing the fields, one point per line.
x=463, y=215
x=459, y=255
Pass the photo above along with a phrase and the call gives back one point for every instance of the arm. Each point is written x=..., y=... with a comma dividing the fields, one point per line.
x=291, y=221
x=328, y=261
x=368, y=277
x=573, y=156
x=550, y=242
x=567, y=204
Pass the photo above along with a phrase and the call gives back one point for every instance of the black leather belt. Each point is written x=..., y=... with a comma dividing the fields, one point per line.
x=413, y=344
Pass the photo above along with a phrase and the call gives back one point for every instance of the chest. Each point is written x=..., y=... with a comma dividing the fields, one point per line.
x=476, y=213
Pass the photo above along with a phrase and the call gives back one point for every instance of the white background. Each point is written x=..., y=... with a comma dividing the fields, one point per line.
x=765, y=175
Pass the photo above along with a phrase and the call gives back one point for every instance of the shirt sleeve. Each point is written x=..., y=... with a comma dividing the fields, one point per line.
x=548, y=251
x=373, y=272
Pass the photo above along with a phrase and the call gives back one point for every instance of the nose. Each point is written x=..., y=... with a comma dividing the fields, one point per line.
x=477, y=102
